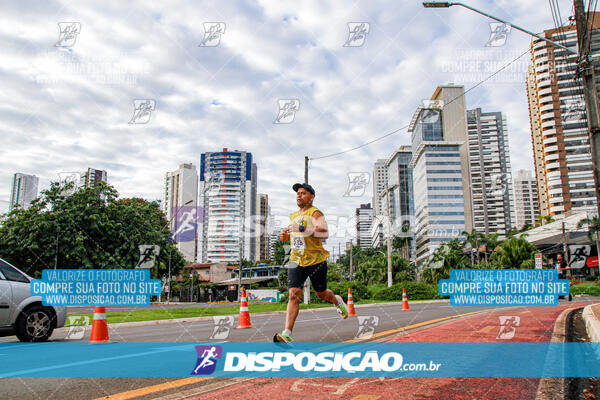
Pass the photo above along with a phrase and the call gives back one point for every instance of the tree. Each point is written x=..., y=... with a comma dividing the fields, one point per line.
x=593, y=225
x=514, y=253
x=448, y=256
x=279, y=252
x=473, y=238
x=91, y=228
x=544, y=219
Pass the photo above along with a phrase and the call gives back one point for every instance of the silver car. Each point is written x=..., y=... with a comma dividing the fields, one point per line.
x=21, y=313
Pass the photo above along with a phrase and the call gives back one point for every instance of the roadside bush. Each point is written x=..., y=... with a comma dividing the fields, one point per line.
x=590, y=289
x=359, y=292
x=414, y=291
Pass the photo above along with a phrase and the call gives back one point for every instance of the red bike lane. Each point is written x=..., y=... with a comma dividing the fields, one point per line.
x=519, y=324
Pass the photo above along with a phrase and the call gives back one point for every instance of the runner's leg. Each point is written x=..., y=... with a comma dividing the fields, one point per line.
x=293, y=307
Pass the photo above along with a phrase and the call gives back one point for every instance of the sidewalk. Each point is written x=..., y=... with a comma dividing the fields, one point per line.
x=534, y=324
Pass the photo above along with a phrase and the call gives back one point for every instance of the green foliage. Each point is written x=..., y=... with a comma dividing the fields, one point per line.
x=95, y=229
x=514, y=253
x=279, y=252
x=589, y=289
x=359, y=290
x=593, y=225
x=414, y=291
x=448, y=256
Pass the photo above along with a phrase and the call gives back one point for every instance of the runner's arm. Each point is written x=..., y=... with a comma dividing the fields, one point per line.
x=320, y=226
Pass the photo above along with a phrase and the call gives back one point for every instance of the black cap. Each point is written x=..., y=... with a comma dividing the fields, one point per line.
x=304, y=186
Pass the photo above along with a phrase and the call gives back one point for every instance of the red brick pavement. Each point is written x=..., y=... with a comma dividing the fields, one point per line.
x=536, y=324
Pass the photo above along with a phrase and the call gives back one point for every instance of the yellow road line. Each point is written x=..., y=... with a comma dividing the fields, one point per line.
x=408, y=327
x=152, y=389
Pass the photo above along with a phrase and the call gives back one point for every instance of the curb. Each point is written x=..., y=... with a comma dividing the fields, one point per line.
x=553, y=388
x=592, y=324
x=210, y=318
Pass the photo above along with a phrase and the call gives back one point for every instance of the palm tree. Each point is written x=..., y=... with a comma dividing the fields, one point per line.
x=513, y=252
x=544, y=219
x=593, y=228
x=490, y=243
x=473, y=238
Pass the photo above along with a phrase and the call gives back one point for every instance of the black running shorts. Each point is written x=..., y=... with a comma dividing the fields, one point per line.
x=316, y=272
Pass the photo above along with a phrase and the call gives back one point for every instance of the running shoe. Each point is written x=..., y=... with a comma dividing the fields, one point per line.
x=284, y=337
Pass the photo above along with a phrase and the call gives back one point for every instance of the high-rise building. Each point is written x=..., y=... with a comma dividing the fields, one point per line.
x=379, y=184
x=24, y=190
x=526, y=199
x=489, y=159
x=262, y=221
x=364, y=218
x=401, y=195
x=180, y=205
x=273, y=239
x=560, y=138
x=91, y=177
x=441, y=176
x=228, y=195
x=400, y=187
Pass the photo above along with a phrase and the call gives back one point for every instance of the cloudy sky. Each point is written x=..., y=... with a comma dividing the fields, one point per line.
x=68, y=107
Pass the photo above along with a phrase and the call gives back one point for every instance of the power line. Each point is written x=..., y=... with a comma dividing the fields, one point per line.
x=406, y=126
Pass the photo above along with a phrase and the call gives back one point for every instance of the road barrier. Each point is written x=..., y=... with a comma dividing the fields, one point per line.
x=99, y=326
x=244, y=320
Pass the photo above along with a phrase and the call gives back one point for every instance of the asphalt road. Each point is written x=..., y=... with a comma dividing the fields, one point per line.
x=319, y=325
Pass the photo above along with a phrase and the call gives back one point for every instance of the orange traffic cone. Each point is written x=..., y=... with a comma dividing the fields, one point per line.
x=351, y=312
x=405, y=306
x=244, y=321
x=99, y=326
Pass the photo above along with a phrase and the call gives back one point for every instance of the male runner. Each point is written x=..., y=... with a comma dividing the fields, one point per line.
x=308, y=258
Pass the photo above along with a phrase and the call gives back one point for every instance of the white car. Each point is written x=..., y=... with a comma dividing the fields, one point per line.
x=21, y=313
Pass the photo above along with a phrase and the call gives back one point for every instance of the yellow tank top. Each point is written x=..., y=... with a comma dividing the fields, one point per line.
x=306, y=250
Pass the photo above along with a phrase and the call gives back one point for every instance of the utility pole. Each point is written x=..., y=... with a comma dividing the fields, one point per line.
x=389, y=239
x=586, y=69
x=306, y=169
x=56, y=254
x=351, y=266
x=564, y=235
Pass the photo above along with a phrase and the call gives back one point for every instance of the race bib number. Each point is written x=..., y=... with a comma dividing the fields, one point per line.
x=298, y=243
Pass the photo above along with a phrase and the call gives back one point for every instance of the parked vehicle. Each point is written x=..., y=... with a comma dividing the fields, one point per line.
x=21, y=313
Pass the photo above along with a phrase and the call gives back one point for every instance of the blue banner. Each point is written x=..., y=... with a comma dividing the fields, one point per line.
x=503, y=287
x=95, y=287
x=57, y=359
